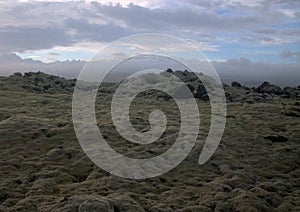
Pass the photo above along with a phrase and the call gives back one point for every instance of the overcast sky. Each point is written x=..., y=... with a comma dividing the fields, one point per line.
x=258, y=38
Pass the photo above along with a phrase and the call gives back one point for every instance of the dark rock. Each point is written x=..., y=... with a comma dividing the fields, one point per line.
x=94, y=203
x=236, y=84
x=276, y=138
x=186, y=76
x=17, y=74
x=201, y=93
x=229, y=97
x=289, y=92
x=292, y=112
x=190, y=209
x=249, y=101
x=227, y=188
x=169, y=70
x=267, y=87
x=39, y=82
x=191, y=87
x=82, y=203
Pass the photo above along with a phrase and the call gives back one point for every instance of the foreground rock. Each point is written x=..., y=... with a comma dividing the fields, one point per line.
x=94, y=203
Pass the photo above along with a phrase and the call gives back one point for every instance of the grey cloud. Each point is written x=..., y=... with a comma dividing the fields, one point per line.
x=254, y=73
x=280, y=37
x=42, y=13
x=22, y=38
x=293, y=32
x=53, y=54
x=268, y=3
x=11, y=63
x=290, y=54
x=41, y=25
x=9, y=58
x=281, y=32
x=265, y=31
x=171, y=19
x=262, y=4
x=95, y=32
x=241, y=61
x=206, y=3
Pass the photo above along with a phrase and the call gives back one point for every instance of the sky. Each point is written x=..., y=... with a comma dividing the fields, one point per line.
x=244, y=39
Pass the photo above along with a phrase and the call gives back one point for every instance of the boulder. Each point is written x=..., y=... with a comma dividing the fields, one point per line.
x=267, y=87
x=236, y=84
x=201, y=93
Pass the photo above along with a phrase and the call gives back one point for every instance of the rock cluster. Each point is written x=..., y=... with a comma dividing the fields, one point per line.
x=37, y=82
x=43, y=83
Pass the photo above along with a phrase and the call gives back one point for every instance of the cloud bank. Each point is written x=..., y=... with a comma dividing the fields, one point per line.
x=236, y=69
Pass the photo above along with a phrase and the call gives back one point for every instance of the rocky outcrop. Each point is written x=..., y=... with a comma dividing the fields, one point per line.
x=236, y=84
x=39, y=82
x=267, y=87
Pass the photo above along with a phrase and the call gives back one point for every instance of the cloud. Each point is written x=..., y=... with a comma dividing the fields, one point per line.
x=265, y=31
x=11, y=63
x=44, y=25
x=235, y=69
x=22, y=38
x=53, y=54
x=254, y=73
x=84, y=30
x=290, y=54
x=184, y=18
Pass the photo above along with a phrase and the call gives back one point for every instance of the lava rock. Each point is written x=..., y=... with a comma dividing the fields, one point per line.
x=236, y=84
x=276, y=138
x=201, y=93
x=94, y=203
x=267, y=87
